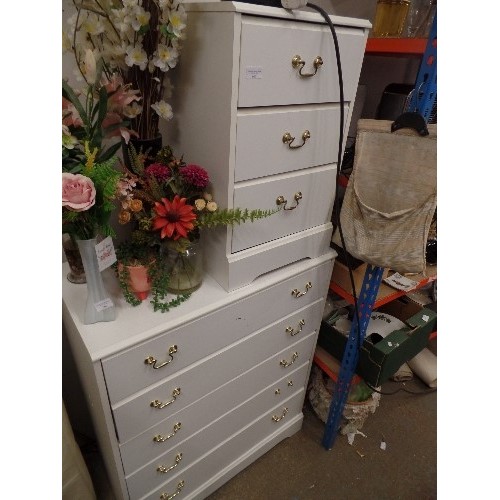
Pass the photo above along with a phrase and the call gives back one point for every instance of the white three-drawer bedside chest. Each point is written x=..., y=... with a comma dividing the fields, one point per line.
x=183, y=401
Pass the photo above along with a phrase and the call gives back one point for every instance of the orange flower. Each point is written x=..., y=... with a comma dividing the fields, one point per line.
x=135, y=205
x=124, y=217
x=174, y=218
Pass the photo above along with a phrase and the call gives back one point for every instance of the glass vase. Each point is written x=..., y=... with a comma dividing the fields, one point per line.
x=185, y=268
x=99, y=306
x=76, y=272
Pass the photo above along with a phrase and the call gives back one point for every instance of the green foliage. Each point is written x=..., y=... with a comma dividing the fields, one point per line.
x=159, y=284
x=95, y=220
x=129, y=253
x=92, y=108
x=226, y=216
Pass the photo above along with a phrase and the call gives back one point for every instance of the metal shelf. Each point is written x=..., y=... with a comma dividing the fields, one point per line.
x=396, y=46
x=385, y=293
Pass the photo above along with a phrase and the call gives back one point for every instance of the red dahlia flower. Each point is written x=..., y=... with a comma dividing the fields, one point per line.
x=195, y=175
x=160, y=172
x=174, y=218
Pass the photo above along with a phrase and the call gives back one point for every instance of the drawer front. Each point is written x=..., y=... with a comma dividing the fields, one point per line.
x=127, y=372
x=175, y=429
x=230, y=450
x=261, y=149
x=266, y=74
x=316, y=186
x=166, y=399
x=187, y=452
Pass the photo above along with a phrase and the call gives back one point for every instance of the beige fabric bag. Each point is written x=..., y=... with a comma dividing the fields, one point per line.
x=391, y=196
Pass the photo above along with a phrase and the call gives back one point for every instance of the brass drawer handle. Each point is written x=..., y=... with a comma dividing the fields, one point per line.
x=150, y=360
x=164, y=469
x=298, y=62
x=288, y=139
x=159, y=405
x=161, y=439
x=292, y=332
x=278, y=390
x=280, y=200
x=167, y=496
x=277, y=419
x=284, y=363
x=298, y=294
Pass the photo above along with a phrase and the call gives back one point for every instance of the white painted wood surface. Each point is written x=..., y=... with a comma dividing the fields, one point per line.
x=233, y=86
x=229, y=344
x=266, y=154
x=126, y=434
x=278, y=83
x=316, y=187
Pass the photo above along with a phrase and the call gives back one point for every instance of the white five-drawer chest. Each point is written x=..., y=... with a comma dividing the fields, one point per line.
x=183, y=401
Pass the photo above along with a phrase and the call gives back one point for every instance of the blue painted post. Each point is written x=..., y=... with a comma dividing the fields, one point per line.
x=424, y=95
x=366, y=301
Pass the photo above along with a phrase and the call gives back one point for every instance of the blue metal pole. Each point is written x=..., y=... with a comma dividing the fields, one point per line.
x=424, y=95
x=366, y=301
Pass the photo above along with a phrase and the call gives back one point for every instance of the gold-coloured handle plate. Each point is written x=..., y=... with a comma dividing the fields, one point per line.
x=168, y=496
x=164, y=469
x=284, y=363
x=277, y=419
x=297, y=62
x=288, y=139
x=160, y=439
x=298, y=294
x=159, y=405
x=292, y=332
x=280, y=200
x=150, y=360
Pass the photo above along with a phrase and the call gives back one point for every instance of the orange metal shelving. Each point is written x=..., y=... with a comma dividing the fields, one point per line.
x=396, y=46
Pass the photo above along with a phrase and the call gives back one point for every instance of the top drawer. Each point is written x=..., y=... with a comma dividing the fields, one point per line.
x=127, y=372
x=266, y=74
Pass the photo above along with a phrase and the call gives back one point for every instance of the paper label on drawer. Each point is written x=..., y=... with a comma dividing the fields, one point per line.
x=105, y=253
x=253, y=72
x=103, y=304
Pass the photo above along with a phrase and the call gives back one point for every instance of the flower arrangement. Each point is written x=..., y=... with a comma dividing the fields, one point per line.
x=168, y=202
x=89, y=197
x=95, y=115
x=140, y=40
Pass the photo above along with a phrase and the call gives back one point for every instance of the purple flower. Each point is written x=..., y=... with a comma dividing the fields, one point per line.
x=194, y=175
x=160, y=172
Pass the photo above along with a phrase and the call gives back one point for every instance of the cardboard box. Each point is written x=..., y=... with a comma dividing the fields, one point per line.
x=379, y=361
x=340, y=276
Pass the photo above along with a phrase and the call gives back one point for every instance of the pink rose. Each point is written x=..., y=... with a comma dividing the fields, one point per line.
x=78, y=192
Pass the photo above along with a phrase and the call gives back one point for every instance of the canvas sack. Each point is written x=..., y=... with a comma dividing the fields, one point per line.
x=391, y=196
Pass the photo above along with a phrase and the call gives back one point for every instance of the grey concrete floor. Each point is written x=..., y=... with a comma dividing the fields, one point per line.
x=300, y=468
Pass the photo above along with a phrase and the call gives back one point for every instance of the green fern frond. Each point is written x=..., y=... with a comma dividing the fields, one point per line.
x=232, y=216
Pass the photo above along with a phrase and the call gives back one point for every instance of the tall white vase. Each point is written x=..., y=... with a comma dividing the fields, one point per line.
x=99, y=306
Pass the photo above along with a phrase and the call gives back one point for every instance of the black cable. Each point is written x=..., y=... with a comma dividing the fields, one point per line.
x=339, y=161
